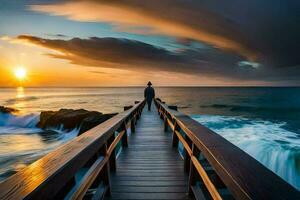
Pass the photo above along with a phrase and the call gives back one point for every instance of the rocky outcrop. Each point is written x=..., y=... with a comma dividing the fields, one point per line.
x=93, y=121
x=7, y=110
x=70, y=119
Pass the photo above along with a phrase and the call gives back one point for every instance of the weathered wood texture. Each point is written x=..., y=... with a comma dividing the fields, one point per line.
x=243, y=176
x=53, y=176
x=149, y=168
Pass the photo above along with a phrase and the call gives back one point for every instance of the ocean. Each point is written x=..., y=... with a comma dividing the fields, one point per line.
x=262, y=121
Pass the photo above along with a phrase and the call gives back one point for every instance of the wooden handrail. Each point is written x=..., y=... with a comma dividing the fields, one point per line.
x=94, y=170
x=53, y=176
x=185, y=144
x=209, y=185
x=89, y=178
x=114, y=143
x=243, y=176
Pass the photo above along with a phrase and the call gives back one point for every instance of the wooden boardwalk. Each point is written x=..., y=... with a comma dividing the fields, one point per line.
x=149, y=168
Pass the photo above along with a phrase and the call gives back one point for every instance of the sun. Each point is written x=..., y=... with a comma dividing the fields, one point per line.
x=20, y=73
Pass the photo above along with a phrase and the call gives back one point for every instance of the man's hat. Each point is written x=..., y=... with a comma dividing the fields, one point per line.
x=149, y=83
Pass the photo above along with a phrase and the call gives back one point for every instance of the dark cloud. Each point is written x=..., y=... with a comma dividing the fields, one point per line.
x=265, y=31
x=57, y=35
x=138, y=56
x=98, y=72
x=178, y=18
x=117, y=53
x=272, y=27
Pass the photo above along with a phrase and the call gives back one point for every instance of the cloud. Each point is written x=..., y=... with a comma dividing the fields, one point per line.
x=98, y=72
x=184, y=19
x=114, y=53
x=57, y=35
x=5, y=38
x=132, y=55
x=253, y=65
x=262, y=31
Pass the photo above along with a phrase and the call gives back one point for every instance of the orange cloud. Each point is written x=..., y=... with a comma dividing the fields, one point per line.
x=170, y=17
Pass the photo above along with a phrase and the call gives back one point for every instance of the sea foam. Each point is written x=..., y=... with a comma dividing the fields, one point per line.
x=22, y=143
x=268, y=142
x=21, y=121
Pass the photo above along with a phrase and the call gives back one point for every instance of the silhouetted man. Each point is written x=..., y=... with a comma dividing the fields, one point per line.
x=149, y=94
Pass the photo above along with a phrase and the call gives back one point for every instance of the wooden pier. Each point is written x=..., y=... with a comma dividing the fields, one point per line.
x=149, y=168
x=135, y=155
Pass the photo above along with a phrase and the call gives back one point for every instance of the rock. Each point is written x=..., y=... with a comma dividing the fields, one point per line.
x=93, y=121
x=127, y=107
x=70, y=119
x=8, y=110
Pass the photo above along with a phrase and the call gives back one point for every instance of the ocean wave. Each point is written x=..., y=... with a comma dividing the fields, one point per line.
x=55, y=96
x=28, y=98
x=239, y=108
x=65, y=135
x=20, y=121
x=268, y=142
x=22, y=143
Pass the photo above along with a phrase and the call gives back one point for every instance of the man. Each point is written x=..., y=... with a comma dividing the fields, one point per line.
x=149, y=94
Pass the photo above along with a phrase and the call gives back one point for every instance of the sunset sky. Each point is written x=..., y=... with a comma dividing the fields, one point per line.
x=170, y=42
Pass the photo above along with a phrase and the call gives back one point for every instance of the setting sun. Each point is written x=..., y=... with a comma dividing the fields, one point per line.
x=20, y=73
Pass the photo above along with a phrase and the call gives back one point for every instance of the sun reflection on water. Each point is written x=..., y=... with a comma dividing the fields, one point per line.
x=20, y=95
x=20, y=92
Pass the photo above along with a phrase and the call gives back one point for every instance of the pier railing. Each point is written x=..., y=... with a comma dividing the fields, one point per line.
x=79, y=168
x=218, y=169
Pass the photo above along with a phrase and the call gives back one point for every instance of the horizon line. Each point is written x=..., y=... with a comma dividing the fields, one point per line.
x=137, y=86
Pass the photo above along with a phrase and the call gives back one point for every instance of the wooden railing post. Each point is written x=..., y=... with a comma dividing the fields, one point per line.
x=112, y=158
x=187, y=157
x=166, y=123
x=193, y=175
x=175, y=139
x=104, y=175
x=132, y=124
x=124, y=137
x=138, y=115
x=159, y=111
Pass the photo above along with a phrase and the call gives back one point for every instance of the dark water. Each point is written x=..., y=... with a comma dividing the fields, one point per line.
x=268, y=103
x=262, y=121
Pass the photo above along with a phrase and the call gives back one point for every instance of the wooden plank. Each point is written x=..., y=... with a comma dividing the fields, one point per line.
x=147, y=189
x=150, y=178
x=149, y=168
x=151, y=183
x=160, y=174
x=133, y=196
